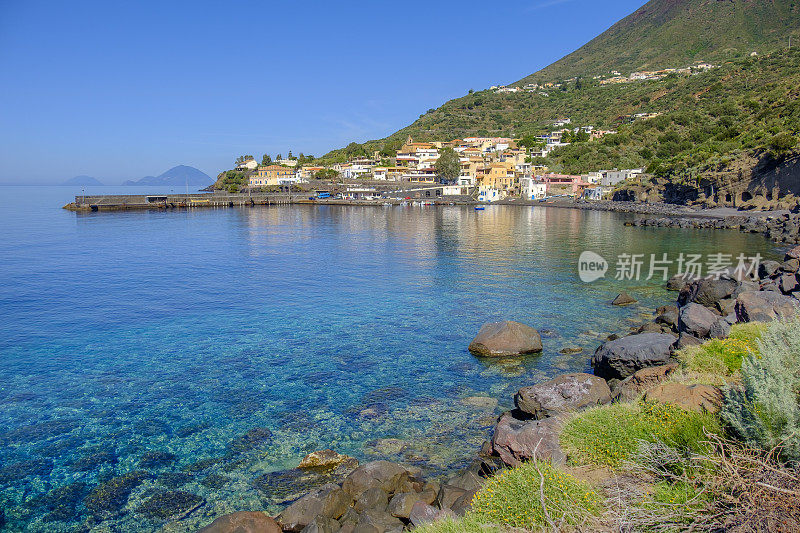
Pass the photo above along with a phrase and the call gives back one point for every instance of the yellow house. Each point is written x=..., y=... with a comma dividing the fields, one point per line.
x=500, y=176
x=270, y=175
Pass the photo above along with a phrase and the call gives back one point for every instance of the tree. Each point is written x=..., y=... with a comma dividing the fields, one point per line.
x=242, y=158
x=448, y=167
x=278, y=157
x=266, y=160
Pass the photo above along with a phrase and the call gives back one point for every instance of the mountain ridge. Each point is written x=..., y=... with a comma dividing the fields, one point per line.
x=177, y=175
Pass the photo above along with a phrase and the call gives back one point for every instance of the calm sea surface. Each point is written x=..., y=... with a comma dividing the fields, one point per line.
x=208, y=351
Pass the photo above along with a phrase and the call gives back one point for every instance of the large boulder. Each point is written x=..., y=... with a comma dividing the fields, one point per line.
x=568, y=392
x=633, y=386
x=329, y=501
x=794, y=253
x=516, y=440
x=502, y=339
x=624, y=298
x=696, y=320
x=379, y=522
x=690, y=397
x=622, y=357
x=707, y=291
x=764, y=306
x=243, y=522
x=384, y=475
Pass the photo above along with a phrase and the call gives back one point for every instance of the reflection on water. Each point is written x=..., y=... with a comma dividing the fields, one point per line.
x=207, y=351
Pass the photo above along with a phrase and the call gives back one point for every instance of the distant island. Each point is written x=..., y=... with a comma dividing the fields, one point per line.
x=82, y=180
x=179, y=175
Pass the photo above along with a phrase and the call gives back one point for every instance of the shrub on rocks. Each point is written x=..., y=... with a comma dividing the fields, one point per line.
x=722, y=357
x=764, y=411
x=535, y=495
x=609, y=435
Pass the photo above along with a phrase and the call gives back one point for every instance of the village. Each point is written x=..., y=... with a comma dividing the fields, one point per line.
x=490, y=169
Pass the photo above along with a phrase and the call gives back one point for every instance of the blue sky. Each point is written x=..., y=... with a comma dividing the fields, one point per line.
x=119, y=90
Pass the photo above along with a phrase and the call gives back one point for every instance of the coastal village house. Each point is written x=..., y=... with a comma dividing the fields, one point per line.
x=272, y=175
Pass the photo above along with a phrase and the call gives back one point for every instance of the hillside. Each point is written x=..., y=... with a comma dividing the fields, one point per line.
x=674, y=33
x=736, y=121
x=82, y=180
x=178, y=176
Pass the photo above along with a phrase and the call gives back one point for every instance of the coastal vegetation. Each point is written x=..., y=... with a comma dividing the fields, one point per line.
x=668, y=468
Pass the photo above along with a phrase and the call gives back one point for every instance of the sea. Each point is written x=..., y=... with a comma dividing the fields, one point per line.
x=159, y=369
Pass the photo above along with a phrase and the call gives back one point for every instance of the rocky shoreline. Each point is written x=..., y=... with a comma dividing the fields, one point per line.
x=784, y=228
x=385, y=497
x=779, y=226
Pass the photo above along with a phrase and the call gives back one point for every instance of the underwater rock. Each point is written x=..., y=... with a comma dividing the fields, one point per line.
x=173, y=480
x=156, y=459
x=23, y=469
x=243, y=522
x=91, y=461
x=107, y=499
x=60, y=504
x=251, y=440
x=215, y=481
x=40, y=431
x=170, y=505
x=322, y=459
x=288, y=485
x=202, y=464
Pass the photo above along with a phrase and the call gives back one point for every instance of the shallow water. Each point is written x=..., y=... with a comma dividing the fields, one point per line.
x=152, y=342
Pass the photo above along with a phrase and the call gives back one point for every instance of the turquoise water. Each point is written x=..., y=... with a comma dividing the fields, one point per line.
x=152, y=342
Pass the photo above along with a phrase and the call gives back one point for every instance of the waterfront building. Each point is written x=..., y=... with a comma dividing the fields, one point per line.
x=271, y=175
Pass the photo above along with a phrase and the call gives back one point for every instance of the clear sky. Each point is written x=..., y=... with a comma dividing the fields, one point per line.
x=120, y=90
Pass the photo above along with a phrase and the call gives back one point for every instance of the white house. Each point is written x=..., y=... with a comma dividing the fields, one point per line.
x=250, y=164
x=532, y=189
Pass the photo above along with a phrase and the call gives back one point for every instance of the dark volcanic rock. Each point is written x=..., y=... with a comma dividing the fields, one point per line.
x=708, y=291
x=568, y=392
x=516, y=440
x=499, y=339
x=381, y=474
x=60, y=504
x=172, y=505
x=696, y=320
x=621, y=358
x=94, y=460
x=329, y=501
x=243, y=522
x=633, y=386
x=764, y=306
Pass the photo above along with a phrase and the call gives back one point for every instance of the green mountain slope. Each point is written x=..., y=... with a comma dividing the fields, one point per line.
x=675, y=33
x=734, y=118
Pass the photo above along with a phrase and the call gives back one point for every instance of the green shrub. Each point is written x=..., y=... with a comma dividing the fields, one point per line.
x=764, y=411
x=723, y=357
x=514, y=498
x=609, y=435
